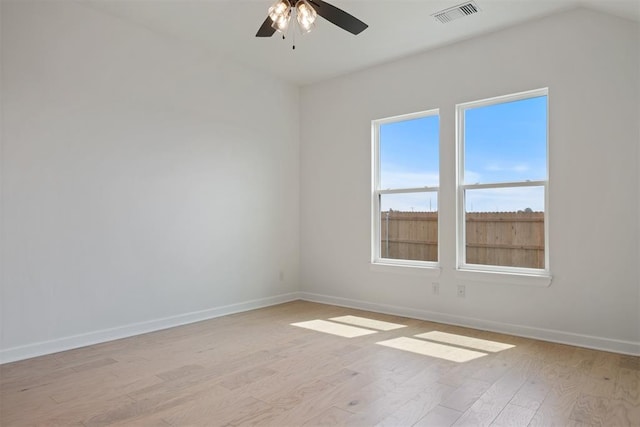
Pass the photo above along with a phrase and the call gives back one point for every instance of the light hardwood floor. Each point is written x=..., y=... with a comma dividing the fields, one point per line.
x=256, y=368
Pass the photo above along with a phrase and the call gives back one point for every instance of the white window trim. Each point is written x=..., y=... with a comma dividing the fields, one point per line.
x=502, y=274
x=389, y=264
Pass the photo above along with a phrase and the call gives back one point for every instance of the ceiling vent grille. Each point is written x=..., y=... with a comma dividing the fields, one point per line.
x=460, y=11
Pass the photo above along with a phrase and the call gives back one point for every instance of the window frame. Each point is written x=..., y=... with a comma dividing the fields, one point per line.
x=377, y=193
x=462, y=187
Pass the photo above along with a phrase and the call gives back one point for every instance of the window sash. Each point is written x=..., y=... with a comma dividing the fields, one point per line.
x=408, y=190
x=376, y=217
x=462, y=187
x=513, y=184
x=462, y=227
x=378, y=250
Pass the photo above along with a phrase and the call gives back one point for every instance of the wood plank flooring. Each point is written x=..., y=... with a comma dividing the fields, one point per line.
x=256, y=368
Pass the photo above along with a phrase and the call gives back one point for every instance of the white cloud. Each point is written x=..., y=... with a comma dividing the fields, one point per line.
x=401, y=179
x=497, y=167
x=505, y=199
x=471, y=177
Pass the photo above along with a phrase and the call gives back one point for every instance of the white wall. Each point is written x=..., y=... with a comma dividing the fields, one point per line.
x=145, y=183
x=589, y=61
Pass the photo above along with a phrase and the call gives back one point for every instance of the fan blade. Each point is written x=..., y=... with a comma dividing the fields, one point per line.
x=338, y=17
x=266, y=30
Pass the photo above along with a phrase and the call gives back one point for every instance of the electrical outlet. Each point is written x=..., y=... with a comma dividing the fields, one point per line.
x=435, y=287
x=462, y=291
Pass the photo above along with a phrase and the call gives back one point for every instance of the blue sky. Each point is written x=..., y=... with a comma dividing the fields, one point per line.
x=409, y=159
x=503, y=142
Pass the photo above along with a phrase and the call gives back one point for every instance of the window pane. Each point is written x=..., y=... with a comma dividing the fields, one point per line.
x=409, y=226
x=505, y=226
x=409, y=153
x=509, y=199
x=506, y=142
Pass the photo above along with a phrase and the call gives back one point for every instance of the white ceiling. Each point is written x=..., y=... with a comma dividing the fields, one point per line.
x=397, y=28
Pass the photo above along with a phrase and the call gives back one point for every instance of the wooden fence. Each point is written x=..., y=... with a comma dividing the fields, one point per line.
x=513, y=239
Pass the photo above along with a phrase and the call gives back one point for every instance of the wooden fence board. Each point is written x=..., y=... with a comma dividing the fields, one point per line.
x=513, y=239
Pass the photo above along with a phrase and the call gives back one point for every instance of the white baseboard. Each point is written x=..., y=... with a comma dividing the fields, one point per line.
x=82, y=340
x=588, y=341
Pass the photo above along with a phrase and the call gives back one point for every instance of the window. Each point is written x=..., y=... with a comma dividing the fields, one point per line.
x=405, y=189
x=502, y=184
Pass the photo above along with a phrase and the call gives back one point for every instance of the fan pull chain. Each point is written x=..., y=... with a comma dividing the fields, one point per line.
x=293, y=47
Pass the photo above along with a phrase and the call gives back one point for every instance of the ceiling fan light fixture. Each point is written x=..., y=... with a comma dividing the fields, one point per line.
x=280, y=8
x=279, y=17
x=280, y=14
x=282, y=23
x=306, y=15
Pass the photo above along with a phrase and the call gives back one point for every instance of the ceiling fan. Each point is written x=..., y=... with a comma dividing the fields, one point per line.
x=306, y=12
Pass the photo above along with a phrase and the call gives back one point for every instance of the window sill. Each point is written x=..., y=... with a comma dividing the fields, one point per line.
x=500, y=277
x=410, y=269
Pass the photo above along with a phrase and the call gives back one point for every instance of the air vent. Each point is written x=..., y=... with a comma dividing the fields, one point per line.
x=460, y=11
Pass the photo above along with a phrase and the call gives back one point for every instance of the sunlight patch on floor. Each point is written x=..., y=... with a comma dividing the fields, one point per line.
x=368, y=323
x=427, y=348
x=334, y=328
x=463, y=341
